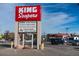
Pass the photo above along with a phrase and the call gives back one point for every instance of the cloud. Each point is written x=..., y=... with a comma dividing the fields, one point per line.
x=56, y=5
x=56, y=20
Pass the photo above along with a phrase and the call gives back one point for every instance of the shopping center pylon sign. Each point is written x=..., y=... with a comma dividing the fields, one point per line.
x=28, y=20
x=28, y=13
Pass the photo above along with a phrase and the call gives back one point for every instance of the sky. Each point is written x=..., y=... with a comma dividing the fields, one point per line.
x=56, y=17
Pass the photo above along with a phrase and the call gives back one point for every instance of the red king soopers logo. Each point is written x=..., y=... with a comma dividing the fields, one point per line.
x=28, y=13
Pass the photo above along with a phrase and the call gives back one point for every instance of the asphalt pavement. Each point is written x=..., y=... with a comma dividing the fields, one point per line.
x=49, y=50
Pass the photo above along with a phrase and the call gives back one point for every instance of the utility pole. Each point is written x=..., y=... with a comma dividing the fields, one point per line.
x=67, y=30
x=44, y=35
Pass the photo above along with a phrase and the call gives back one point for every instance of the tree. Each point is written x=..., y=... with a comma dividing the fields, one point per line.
x=1, y=36
x=6, y=35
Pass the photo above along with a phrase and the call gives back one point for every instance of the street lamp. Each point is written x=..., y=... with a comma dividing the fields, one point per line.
x=67, y=30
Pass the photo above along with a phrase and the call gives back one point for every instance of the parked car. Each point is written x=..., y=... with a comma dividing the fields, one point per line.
x=56, y=41
x=72, y=41
x=2, y=41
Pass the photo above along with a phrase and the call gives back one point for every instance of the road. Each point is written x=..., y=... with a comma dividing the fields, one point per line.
x=50, y=50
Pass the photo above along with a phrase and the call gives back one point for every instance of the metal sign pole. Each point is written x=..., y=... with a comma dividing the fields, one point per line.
x=16, y=35
x=23, y=40
x=32, y=40
x=38, y=34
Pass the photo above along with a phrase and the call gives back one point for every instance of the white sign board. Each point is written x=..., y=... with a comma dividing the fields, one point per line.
x=28, y=26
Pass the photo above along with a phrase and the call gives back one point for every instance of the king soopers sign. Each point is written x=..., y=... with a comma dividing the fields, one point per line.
x=28, y=13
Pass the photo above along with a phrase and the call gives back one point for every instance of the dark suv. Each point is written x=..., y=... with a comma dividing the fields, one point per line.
x=56, y=41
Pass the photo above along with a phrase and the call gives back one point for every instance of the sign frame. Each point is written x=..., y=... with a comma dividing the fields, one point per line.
x=29, y=31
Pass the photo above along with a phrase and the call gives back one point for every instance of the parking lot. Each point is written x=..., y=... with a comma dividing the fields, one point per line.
x=50, y=50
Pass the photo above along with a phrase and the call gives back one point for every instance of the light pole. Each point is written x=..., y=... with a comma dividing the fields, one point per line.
x=67, y=30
